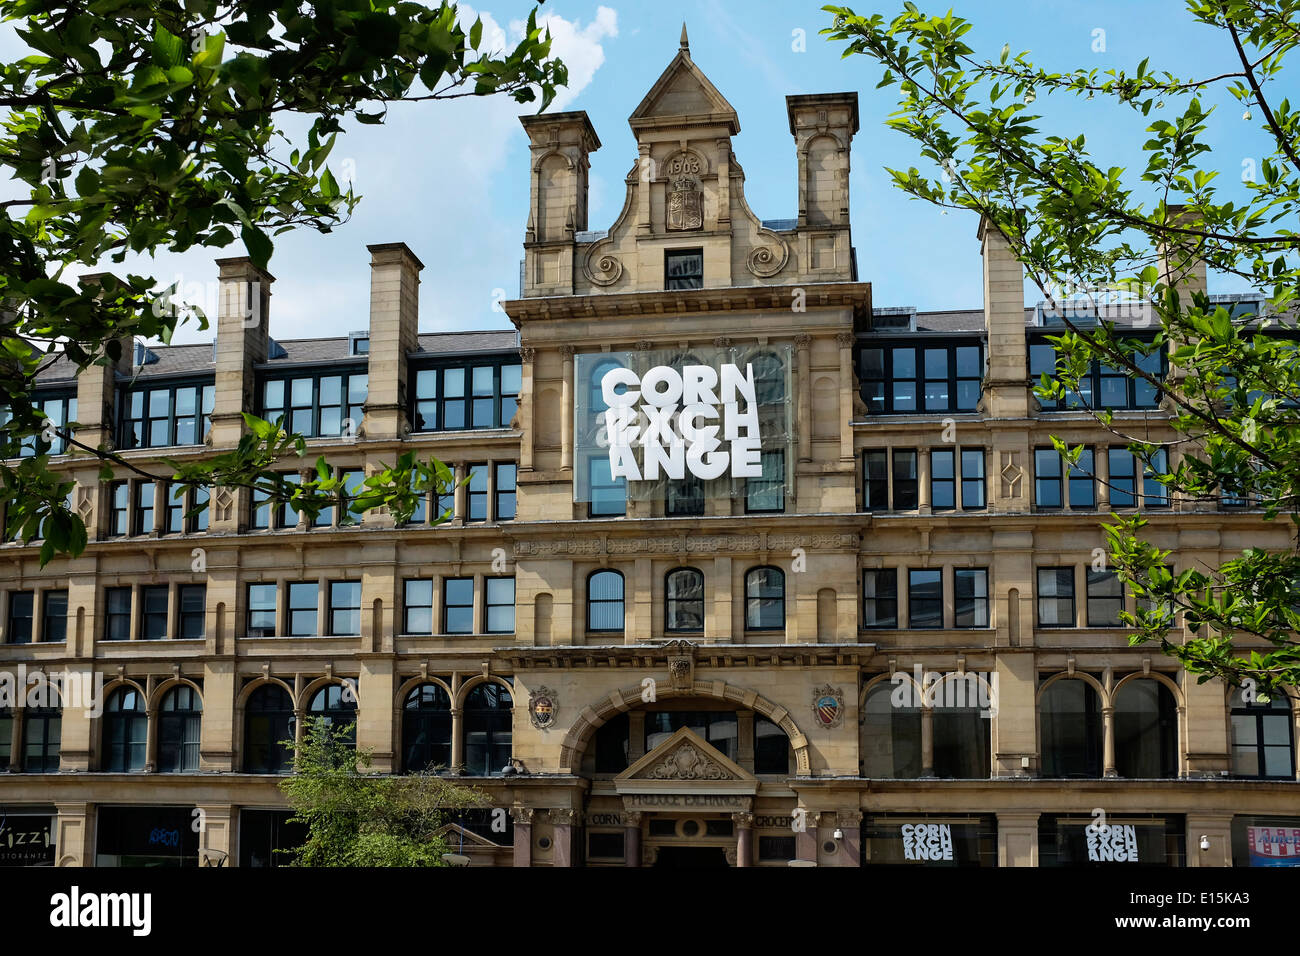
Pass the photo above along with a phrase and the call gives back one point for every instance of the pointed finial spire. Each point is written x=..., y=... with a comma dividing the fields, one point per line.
x=686, y=44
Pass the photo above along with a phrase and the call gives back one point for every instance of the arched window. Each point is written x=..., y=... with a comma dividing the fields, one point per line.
x=605, y=601
x=684, y=600
x=764, y=599
x=126, y=731
x=1262, y=745
x=772, y=750
x=42, y=730
x=596, y=396
x=1070, y=715
x=1146, y=730
x=487, y=729
x=769, y=379
x=962, y=728
x=426, y=729
x=268, y=721
x=891, y=732
x=338, y=705
x=179, y=722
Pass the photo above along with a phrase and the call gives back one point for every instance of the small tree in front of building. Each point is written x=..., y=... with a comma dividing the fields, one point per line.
x=1075, y=222
x=357, y=818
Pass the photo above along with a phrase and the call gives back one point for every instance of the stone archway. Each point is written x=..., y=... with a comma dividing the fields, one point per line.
x=629, y=698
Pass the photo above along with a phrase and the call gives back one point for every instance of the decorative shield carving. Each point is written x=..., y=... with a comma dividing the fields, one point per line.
x=828, y=706
x=681, y=664
x=685, y=206
x=542, y=707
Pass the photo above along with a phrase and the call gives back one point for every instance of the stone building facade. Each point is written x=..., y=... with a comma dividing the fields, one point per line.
x=891, y=641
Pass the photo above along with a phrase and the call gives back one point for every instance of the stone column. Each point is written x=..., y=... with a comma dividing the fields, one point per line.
x=845, y=341
x=566, y=409
x=457, y=740
x=1018, y=839
x=632, y=838
x=803, y=414
x=850, y=823
x=74, y=840
x=1108, y=742
x=216, y=835
x=97, y=386
x=527, y=405
x=927, y=742
x=805, y=843
x=563, y=821
x=744, y=838
x=523, y=849
x=151, y=741
x=394, y=332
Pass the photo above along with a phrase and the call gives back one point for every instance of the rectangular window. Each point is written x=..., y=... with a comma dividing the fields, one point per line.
x=354, y=488
x=684, y=498
x=21, y=617
x=506, y=476
x=119, y=497
x=971, y=597
x=1103, y=386
x=1047, y=478
x=55, y=411
x=476, y=492
x=142, y=518
x=153, y=612
x=485, y=395
x=417, y=604
x=345, y=608
x=683, y=269
x=1082, y=494
x=875, y=477
x=458, y=605
x=117, y=614
x=767, y=494
x=190, y=618
x=1105, y=598
x=323, y=405
x=880, y=598
x=1123, y=479
x=943, y=481
x=1056, y=597
x=905, y=480
x=304, y=601
x=174, y=508
x=54, y=625
x=925, y=598
x=972, y=479
x=500, y=604
x=921, y=377
x=165, y=415
x=608, y=494
x=261, y=610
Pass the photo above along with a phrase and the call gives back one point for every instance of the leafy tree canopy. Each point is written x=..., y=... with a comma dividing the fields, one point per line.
x=1084, y=229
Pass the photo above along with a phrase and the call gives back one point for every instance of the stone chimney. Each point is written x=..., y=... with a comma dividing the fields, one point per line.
x=394, y=332
x=243, y=341
x=97, y=387
x=1007, y=369
x=1182, y=268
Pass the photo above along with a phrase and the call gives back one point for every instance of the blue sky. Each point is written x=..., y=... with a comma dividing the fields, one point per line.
x=450, y=179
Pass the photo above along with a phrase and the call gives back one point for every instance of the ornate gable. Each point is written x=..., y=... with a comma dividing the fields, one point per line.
x=684, y=96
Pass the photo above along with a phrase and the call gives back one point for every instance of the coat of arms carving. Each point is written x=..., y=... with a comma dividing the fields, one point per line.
x=828, y=706
x=542, y=707
x=685, y=205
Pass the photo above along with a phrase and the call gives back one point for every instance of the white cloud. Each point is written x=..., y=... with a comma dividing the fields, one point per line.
x=448, y=178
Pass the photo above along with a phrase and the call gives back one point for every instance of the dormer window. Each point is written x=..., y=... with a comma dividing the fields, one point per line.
x=683, y=269
x=359, y=343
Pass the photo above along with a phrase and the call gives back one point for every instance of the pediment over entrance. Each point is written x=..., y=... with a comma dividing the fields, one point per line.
x=685, y=761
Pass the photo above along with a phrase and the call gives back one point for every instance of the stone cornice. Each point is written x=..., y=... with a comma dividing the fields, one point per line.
x=855, y=295
x=705, y=655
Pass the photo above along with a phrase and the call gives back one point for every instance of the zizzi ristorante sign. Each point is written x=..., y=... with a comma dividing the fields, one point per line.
x=653, y=416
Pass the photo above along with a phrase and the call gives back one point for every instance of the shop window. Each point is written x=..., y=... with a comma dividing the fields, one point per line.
x=1071, y=727
x=891, y=735
x=268, y=723
x=1146, y=730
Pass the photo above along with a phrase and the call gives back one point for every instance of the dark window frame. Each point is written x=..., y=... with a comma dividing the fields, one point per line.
x=1096, y=377
x=621, y=601
x=979, y=602
x=750, y=599
x=683, y=280
x=913, y=601
x=422, y=405
x=888, y=596
x=1073, y=617
x=448, y=606
x=671, y=603
x=204, y=401
x=346, y=372
x=886, y=403
x=489, y=604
